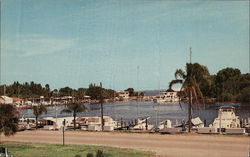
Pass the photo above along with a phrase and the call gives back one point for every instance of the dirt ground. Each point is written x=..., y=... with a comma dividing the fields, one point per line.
x=164, y=145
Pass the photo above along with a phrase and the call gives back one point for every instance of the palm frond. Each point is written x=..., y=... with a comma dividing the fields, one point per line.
x=175, y=82
x=179, y=74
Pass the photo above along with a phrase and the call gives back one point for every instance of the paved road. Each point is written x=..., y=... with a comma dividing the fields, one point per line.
x=163, y=145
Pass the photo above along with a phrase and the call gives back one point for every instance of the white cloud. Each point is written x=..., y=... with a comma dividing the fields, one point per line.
x=30, y=45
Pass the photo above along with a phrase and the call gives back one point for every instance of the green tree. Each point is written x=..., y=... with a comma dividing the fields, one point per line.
x=190, y=80
x=227, y=84
x=8, y=119
x=131, y=91
x=74, y=108
x=66, y=91
x=37, y=111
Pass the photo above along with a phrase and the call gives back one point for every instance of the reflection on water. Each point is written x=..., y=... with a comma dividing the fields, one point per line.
x=129, y=110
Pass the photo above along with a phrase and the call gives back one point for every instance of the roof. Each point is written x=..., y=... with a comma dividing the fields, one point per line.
x=5, y=97
x=16, y=99
x=170, y=90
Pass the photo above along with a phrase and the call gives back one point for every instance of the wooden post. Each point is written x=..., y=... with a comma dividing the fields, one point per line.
x=64, y=121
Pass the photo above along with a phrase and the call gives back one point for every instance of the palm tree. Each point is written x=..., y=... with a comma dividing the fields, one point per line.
x=191, y=79
x=8, y=119
x=75, y=108
x=37, y=111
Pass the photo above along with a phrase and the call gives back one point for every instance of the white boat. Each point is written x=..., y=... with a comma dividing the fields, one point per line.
x=226, y=118
x=141, y=125
x=226, y=122
x=52, y=123
x=26, y=123
x=95, y=123
x=166, y=97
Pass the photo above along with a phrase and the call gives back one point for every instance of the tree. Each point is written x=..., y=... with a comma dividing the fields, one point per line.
x=8, y=119
x=130, y=91
x=226, y=81
x=66, y=91
x=37, y=111
x=190, y=80
x=74, y=108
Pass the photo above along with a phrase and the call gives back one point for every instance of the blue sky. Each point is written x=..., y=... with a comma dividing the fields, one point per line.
x=121, y=43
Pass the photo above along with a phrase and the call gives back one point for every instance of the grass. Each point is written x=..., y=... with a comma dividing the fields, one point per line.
x=55, y=150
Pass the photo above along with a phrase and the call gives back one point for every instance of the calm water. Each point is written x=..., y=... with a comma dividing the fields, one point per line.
x=129, y=110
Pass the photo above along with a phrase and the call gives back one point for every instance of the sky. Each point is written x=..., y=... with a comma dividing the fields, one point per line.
x=121, y=43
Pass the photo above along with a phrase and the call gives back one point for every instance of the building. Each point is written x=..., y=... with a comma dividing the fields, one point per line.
x=6, y=100
x=17, y=101
x=123, y=95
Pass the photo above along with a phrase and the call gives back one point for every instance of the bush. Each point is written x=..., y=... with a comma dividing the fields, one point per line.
x=244, y=95
x=99, y=153
x=90, y=155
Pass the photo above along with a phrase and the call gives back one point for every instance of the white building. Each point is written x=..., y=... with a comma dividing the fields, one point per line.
x=169, y=95
x=124, y=95
x=6, y=100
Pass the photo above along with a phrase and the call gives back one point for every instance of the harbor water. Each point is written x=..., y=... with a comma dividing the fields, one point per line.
x=130, y=110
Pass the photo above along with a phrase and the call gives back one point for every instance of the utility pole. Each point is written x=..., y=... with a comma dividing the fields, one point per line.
x=101, y=99
x=137, y=106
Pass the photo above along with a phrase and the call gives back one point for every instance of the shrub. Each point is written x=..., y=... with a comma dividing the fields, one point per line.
x=99, y=153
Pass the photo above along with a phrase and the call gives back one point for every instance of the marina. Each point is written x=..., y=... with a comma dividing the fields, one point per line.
x=169, y=117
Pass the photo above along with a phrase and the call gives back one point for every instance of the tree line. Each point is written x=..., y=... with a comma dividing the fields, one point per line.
x=35, y=90
x=227, y=85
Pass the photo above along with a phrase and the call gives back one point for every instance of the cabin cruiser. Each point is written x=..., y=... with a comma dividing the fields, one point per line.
x=95, y=123
x=166, y=97
x=226, y=118
x=226, y=122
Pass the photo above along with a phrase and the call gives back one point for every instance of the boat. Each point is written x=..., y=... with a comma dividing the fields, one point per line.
x=141, y=124
x=95, y=123
x=226, y=118
x=166, y=97
x=227, y=122
x=25, y=123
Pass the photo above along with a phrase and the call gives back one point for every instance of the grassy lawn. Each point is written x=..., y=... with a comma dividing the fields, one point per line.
x=56, y=150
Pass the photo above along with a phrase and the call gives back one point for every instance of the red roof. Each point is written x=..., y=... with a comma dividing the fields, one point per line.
x=16, y=99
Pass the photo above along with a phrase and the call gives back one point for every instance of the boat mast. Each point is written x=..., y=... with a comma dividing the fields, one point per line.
x=190, y=100
x=101, y=99
x=137, y=116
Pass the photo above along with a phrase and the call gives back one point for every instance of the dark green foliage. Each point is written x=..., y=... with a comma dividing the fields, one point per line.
x=227, y=85
x=26, y=90
x=8, y=119
x=77, y=155
x=244, y=95
x=90, y=155
x=99, y=153
x=131, y=91
x=95, y=92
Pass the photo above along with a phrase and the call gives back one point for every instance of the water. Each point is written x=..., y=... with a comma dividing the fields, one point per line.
x=129, y=110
